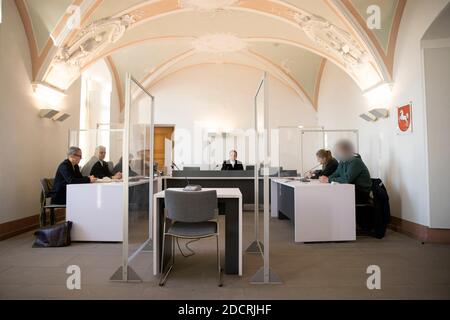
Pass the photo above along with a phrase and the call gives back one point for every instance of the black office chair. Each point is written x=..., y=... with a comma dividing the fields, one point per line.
x=46, y=187
x=192, y=215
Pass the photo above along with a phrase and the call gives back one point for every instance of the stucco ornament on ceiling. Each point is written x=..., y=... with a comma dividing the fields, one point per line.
x=93, y=39
x=206, y=5
x=219, y=43
x=333, y=39
x=67, y=64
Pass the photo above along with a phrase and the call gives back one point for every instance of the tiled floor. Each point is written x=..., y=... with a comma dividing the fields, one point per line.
x=409, y=270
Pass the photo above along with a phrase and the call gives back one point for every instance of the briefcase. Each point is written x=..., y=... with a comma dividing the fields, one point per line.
x=57, y=235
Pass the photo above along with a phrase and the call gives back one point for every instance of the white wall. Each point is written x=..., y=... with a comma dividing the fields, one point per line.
x=31, y=147
x=436, y=53
x=400, y=160
x=217, y=98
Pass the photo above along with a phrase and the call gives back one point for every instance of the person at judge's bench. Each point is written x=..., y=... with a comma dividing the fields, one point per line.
x=101, y=169
x=232, y=163
x=351, y=170
x=329, y=165
x=68, y=173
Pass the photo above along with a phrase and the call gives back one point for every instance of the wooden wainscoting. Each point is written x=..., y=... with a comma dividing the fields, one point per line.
x=13, y=228
x=420, y=232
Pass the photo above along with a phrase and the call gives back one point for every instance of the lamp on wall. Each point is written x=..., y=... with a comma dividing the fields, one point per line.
x=53, y=114
x=368, y=117
x=61, y=116
x=380, y=113
x=48, y=113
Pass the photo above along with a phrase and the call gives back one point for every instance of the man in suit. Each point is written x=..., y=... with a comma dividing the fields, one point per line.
x=232, y=163
x=68, y=173
x=100, y=169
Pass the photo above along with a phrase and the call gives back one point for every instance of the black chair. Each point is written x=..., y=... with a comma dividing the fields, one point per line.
x=46, y=187
x=192, y=215
x=374, y=216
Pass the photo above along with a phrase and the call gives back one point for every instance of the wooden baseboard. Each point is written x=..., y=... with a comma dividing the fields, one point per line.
x=16, y=227
x=420, y=232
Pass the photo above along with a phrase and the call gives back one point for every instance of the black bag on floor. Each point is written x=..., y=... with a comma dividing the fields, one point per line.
x=57, y=235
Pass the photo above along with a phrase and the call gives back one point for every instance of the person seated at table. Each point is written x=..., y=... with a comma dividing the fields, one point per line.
x=101, y=169
x=232, y=163
x=351, y=170
x=68, y=173
x=329, y=165
x=118, y=167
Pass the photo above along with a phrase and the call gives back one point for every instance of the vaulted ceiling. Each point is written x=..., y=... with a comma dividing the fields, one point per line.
x=291, y=39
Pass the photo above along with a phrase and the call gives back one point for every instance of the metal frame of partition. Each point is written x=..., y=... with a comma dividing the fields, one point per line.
x=125, y=273
x=256, y=246
x=264, y=275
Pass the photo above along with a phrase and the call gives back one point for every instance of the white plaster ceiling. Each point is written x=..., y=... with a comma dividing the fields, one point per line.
x=164, y=31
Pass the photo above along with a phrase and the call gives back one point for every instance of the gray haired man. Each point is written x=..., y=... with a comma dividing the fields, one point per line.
x=68, y=172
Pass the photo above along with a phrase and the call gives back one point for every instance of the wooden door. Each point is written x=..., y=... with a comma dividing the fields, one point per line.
x=161, y=133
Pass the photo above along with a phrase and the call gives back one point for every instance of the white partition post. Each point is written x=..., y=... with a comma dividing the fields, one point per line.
x=265, y=275
x=125, y=273
x=256, y=246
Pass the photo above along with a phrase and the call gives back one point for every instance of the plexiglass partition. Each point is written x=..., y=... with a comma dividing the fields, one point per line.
x=298, y=147
x=89, y=139
x=136, y=165
x=263, y=165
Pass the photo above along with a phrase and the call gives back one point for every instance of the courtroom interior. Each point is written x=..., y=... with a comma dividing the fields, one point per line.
x=224, y=149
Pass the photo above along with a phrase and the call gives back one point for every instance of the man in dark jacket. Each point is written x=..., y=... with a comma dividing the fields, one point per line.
x=100, y=169
x=68, y=173
x=352, y=170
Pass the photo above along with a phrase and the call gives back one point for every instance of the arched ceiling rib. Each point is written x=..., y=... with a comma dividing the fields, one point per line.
x=291, y=37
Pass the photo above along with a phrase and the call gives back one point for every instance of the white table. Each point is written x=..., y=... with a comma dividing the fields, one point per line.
x=232, y=200
x=96, y=210
x=320, y=212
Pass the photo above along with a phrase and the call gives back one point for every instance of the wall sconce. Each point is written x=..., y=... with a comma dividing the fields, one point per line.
x=368, y=117
x=48, y=94
x=61, y=116
x=48, y=113
x=380, y=113
x=53, y=114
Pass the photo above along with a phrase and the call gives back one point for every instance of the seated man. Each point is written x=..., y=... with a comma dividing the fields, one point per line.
x=118, y=167
x=232, y=163
x=352, y=170
x=100, y=169
x=68, y=173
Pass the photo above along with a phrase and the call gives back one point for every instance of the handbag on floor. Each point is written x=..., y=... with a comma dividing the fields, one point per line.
x=57, y=235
